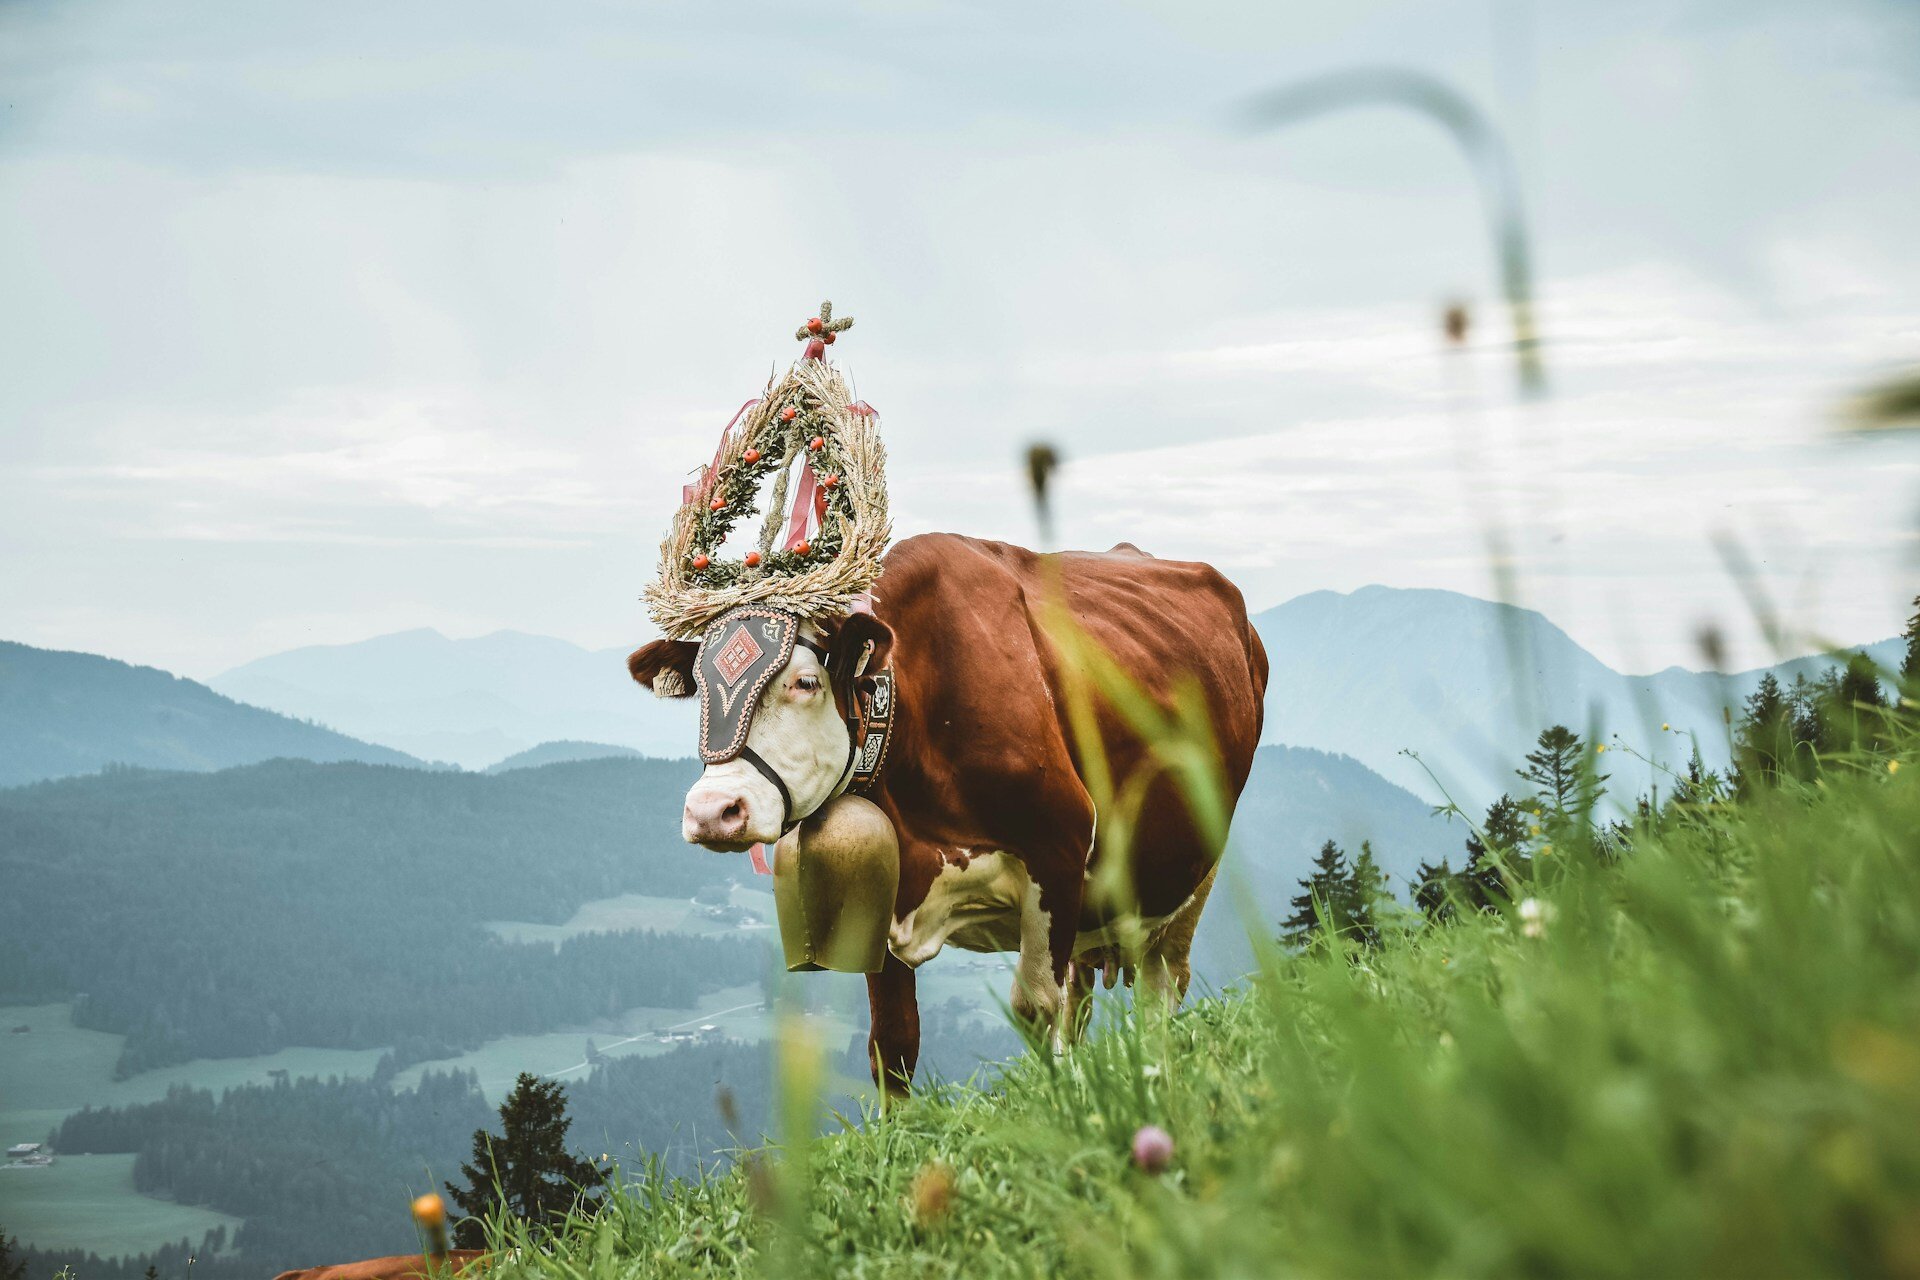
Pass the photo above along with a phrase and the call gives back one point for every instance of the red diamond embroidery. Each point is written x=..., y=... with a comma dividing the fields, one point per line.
x=736, y=655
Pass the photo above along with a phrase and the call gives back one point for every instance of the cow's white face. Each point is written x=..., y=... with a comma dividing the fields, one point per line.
x=800, y=735
x=794, y=727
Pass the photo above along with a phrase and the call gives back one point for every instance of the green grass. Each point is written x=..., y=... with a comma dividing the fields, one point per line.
x=1706, y=1064
x=89, y=1202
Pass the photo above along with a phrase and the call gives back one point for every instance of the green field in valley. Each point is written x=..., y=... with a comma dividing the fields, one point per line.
x=639, y=911
x=89, y=1202
x=56, y=1068
x=736, y=1012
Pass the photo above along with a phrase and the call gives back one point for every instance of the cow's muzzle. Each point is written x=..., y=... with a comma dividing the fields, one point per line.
x=716, y=819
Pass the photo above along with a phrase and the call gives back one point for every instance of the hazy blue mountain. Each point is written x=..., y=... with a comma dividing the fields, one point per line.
x=474, y=702
x=69, y=713
x=562, y=752
x=1364, y=674
x=1468, y=683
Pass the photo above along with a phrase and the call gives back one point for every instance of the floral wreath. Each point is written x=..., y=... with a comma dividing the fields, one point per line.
x=836, y=529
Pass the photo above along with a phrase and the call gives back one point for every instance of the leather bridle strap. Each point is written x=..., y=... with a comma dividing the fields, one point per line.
x=787, y=821
x=869, y=733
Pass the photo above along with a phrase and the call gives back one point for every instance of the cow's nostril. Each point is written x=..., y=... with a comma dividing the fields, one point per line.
x=735, y=812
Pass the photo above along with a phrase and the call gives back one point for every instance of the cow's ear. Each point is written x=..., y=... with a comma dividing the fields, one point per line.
x=848, y=655
x=666, y=667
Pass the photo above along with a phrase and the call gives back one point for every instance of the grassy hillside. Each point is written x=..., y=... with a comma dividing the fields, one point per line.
x=1696, y=1055
x=68, y=713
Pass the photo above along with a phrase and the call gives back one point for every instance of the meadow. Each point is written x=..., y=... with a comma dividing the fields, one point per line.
x=1688, y=1044
x=57, y=1068
x=642, y=911
x=89, y=1202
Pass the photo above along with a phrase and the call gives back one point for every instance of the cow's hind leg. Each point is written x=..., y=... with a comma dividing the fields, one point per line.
x=893, y=1043
x=1166, y=967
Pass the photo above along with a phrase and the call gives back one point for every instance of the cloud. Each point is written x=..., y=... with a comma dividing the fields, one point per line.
x=366, y=318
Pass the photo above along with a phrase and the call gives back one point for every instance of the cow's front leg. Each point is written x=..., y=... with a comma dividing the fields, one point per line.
x=1049, y=922
x=893, y=1038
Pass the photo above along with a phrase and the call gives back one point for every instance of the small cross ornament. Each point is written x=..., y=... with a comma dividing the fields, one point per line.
x=820, y=331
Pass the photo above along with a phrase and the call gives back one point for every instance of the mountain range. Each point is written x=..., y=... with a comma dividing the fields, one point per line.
x=1467, y=684
x=70, y=713
x=1368, y=674
x=471, y=702
x=1380, y=674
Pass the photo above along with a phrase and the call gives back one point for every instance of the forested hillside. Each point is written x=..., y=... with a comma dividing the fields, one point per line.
x=68, y=713
x=342, y=905
x=560, y=753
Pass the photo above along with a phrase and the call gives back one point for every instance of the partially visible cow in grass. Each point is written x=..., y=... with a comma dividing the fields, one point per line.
x=400, y=1266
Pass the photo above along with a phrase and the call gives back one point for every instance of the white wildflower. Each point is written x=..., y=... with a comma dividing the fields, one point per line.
x=1534, y=915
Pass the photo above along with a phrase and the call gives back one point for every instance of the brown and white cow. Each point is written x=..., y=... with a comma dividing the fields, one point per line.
x=983, y=780
x=400, y=1266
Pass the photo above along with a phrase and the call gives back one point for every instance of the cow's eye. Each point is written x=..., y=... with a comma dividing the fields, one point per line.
x=806, y=684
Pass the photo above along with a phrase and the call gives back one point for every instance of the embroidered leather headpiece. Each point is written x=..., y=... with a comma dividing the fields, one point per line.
x=740, y=652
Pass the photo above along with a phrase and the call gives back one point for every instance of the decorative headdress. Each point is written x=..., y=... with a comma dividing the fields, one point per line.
x=837, y=527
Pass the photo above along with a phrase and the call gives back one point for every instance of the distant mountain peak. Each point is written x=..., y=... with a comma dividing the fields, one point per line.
x=65, y=713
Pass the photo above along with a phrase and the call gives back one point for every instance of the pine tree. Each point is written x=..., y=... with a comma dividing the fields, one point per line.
x=1764, y=739
x=1496, y=865
x=1325, y=905
x=1806, y=723
x=1853, y=714
x=1433, y=889
x=1910, y=667
x=528, y=1166
x=151, y=1273
x=1368, y=898
x=1563, y=778
x=11, y=1268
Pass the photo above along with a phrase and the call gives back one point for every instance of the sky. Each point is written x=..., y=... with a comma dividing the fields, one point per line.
x=319, y=322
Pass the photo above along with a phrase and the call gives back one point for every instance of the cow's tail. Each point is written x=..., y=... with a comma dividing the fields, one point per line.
x=1258, y=670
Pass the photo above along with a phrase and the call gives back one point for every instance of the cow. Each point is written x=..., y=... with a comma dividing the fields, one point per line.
x=401, y=1266
x=983, y=780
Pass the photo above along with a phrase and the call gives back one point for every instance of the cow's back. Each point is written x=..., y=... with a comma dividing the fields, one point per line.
x=1159, y=619
x=403, y=1266
x=977, y=613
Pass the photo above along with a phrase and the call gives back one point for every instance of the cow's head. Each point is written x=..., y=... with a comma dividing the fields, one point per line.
x=773, y=728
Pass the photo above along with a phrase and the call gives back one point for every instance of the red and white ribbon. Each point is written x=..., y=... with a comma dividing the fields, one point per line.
x=703, y=482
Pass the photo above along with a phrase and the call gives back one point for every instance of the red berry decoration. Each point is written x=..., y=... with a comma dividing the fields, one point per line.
x=753, y=558
x=718, y=504
x=789, y=413
x=817, y=443
x=820, y=330
x=829, y=337
x=804, y=549
x=750, y=457
x=701, y=562
x=829, y=481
